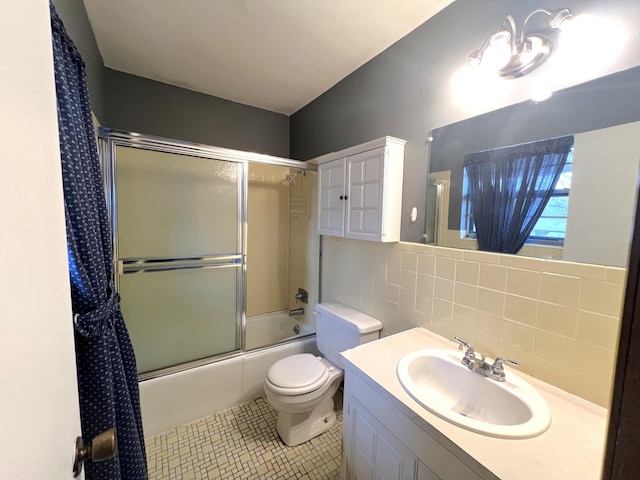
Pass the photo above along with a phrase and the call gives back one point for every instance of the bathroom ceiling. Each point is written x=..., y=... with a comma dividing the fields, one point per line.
x=277, y=55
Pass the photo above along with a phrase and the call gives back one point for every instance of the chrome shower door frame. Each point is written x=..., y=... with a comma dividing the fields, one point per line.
x=108, y=141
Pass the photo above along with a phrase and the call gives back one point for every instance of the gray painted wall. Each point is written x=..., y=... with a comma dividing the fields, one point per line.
x=127, y=102
x=74, y=16
x=406, y=90
x=137, y=104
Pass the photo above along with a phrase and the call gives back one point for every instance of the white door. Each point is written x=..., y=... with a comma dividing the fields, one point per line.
x=365, y=190
x=39, y=417
x=332, y=198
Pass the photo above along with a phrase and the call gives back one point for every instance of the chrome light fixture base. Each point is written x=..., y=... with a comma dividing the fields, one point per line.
x=529, y=56
x=528, y=50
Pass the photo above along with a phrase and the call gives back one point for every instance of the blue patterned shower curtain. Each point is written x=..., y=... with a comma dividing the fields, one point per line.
x=107, y=377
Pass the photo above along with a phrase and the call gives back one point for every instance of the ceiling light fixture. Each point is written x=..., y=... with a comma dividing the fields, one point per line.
x=513, y=55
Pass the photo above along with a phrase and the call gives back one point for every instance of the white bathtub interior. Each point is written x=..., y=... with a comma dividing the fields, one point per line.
x=273, y=328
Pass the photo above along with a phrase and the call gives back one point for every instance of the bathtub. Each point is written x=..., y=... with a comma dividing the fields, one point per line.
x=272, y=328
x=173, y=400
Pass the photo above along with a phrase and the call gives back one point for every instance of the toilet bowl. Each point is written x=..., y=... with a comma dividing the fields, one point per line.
x=304, y=402
x=301, y=387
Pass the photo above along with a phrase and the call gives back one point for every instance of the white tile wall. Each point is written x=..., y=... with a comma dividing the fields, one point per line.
x=559, y=319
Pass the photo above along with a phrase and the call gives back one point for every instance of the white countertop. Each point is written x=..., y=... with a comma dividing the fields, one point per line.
x=572, y=448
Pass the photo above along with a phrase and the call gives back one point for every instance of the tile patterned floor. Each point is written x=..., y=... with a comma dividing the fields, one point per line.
x=242, y=443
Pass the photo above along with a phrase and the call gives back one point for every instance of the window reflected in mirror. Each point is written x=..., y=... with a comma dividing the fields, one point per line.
x=550, y=227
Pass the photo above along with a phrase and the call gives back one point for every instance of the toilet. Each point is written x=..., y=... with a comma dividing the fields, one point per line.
x=301, y=387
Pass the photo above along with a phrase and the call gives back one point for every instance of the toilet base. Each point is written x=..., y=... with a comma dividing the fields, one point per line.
x=297, y=428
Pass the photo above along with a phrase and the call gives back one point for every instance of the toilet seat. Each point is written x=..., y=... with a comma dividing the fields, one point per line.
x=297, y=374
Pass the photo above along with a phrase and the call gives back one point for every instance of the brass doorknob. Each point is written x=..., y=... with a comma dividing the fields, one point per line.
x=103, y=447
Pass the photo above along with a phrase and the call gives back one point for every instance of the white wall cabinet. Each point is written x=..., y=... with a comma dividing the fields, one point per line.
x=360, y=191
x=372, y=449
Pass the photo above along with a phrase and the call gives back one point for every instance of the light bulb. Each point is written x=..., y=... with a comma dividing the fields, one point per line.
x=475, y=59
x=496, y=55
x=589, y=41
x=560, y=19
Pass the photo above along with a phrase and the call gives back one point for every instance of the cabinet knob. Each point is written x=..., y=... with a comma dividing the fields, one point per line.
x=343, y=197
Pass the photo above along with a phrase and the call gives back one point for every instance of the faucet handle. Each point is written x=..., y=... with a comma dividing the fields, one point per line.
x=302, y=296
x=469, y=359
x=500, y=360
x=497, y=369
x=464, y=344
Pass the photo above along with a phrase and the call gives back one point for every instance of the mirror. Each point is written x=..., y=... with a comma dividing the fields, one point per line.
x=604, y=117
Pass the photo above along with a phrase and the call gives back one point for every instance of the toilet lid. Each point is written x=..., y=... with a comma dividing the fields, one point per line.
x=296, y=371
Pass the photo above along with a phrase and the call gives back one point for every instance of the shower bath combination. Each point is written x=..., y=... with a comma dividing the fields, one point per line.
x=200, y=197
x=181, y=234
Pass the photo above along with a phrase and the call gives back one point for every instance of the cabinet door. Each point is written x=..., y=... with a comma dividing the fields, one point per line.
x=365, y=195
x=331, y=198
x=375, y=453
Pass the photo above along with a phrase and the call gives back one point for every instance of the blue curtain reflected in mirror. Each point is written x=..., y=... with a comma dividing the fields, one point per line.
x=509, y=189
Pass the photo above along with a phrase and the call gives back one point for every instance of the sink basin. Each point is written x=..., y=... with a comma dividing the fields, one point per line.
x=439, y=382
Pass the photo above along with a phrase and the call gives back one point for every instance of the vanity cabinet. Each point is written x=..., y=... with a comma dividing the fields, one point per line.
x=360, y=191
x=381, y=442
x=387, y=434
x=375, y=453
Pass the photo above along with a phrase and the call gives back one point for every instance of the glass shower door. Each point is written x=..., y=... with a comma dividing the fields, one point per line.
x=433, y=211
x=179, y=254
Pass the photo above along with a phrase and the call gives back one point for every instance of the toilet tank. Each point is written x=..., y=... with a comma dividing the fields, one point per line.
x=339, y=328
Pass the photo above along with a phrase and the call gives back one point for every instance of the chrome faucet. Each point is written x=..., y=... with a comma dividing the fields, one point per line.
x=497, y=370
x=296, y=311
x=469, y=360
x=494, y=371
x=302, y=296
